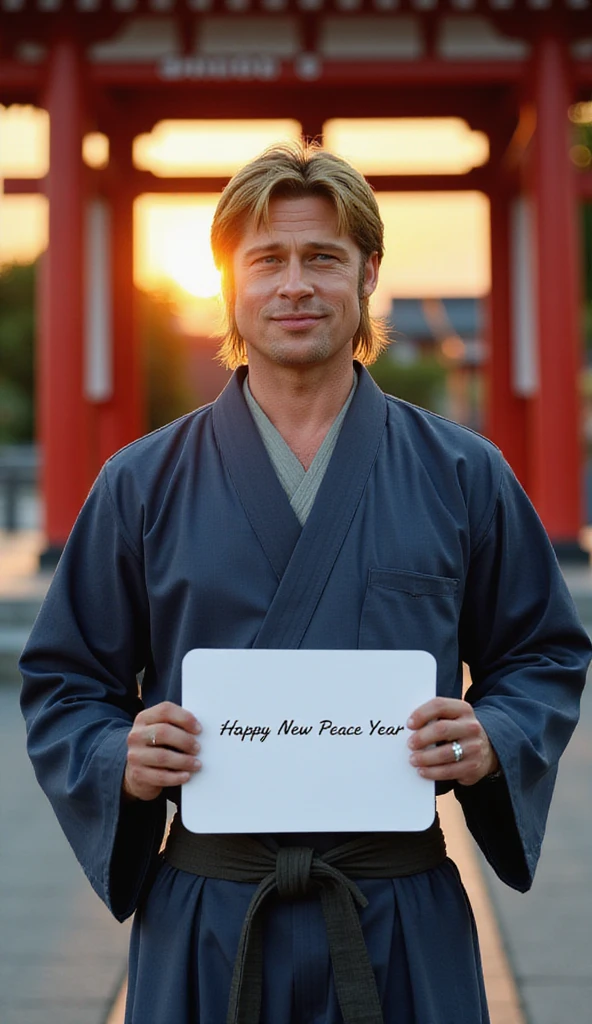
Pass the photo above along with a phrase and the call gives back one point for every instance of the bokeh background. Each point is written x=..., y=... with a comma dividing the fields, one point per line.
x=437, y=247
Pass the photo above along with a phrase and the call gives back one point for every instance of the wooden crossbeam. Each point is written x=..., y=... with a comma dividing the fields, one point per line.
x=140, y=182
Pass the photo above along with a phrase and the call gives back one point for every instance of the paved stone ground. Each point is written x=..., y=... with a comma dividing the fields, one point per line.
x=62, y=956
x=547, y=933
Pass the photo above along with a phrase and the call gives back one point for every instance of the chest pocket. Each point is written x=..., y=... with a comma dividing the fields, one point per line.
x=411, y=611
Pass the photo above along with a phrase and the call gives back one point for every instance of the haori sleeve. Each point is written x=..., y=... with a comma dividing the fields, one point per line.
x=80, y=695
x=528, y=654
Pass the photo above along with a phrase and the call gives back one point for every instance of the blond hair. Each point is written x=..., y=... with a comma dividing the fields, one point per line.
x=297, y=170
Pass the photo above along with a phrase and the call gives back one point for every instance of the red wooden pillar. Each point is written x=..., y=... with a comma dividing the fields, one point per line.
x=555, y=442
x=505, y=420
x=121, y=415
x=62, y=416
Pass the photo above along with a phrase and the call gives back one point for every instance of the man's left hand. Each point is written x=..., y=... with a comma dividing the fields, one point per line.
x=438, y=728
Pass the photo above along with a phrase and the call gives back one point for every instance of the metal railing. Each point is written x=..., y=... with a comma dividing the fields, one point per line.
x=19, y=474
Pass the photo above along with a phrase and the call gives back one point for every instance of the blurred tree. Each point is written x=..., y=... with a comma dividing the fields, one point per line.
x=169, y=393
x=17, y=336
x=582, y=156
x=422, y=381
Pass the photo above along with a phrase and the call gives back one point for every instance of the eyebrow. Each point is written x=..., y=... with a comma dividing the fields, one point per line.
x=270, y=248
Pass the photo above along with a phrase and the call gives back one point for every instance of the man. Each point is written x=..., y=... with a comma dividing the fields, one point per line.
x=302, y=509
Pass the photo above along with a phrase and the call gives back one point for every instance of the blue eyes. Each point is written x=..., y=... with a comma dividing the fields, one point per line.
x=320, y=257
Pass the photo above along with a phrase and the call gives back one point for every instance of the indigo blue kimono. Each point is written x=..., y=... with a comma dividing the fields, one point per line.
x=420, y=537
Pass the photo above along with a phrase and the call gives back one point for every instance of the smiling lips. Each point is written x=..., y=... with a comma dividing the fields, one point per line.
x=297, y=321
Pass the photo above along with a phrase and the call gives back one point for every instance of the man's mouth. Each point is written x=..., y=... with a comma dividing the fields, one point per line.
x=297, y=321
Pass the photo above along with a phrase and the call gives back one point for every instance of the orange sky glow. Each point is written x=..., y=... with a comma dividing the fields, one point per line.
x=436, y=243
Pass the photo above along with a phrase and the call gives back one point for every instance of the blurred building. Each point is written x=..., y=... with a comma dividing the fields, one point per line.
x=453, y=328
x=449, y=331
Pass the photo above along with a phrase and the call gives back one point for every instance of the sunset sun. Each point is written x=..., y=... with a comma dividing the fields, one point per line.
x=186, y=260
x=173, y=241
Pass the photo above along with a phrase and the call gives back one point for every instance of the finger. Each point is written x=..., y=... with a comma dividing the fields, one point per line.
x=438, y=707
x=444, y=755
x=162, y=758
x=174, y=714
x=146, y=782
x=163, y=777
x=155, y=779
x=445, y=730
x=164, y=735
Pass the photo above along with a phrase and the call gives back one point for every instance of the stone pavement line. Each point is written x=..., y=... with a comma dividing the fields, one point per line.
x=502, y=996
x=118, y=1012
x=62, y=955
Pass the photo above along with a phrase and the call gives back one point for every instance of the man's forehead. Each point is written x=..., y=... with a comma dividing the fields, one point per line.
x=312, y=217
x=296, y=213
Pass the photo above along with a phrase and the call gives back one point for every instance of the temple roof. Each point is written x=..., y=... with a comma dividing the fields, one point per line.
x=238, y=7
x=422, y=320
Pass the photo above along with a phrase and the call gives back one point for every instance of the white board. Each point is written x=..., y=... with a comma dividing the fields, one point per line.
x=272, y=763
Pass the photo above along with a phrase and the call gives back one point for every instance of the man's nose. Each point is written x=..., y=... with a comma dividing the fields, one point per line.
x=294, y=283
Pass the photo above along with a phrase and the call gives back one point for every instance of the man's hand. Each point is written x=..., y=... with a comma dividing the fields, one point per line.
x=438, y=725
x=161, y=751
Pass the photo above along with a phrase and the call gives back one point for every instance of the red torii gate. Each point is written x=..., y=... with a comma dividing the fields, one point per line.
x=521, y=103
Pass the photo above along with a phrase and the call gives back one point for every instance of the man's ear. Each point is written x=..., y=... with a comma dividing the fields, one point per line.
x=370, y=276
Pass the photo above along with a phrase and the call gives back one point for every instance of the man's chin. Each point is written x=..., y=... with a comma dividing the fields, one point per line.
x=300, y=355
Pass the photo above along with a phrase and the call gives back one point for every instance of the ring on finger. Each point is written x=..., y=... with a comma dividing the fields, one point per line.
x=457, y=751
x=152, y=738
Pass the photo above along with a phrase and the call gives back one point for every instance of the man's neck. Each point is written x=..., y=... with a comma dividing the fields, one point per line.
x=302, y=403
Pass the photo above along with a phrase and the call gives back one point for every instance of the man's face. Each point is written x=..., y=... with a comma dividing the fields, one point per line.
x=298, y=286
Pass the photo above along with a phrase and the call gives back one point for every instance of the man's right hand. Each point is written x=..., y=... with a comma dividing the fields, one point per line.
x=161, y=751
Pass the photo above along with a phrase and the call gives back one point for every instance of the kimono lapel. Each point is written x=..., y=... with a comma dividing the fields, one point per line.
x=263, y=498
x=329, y=521
x=302, y=560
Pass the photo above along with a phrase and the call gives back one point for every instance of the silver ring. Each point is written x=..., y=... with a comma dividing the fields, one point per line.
x=457, y=750
x=152, y=738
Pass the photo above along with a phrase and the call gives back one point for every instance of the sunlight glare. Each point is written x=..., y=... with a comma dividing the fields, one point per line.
x=172, y=240
x=208, y=147
x=24, y=142
x=407, y=145
x=24, y=228
x=436, y=244
x=95, y=150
